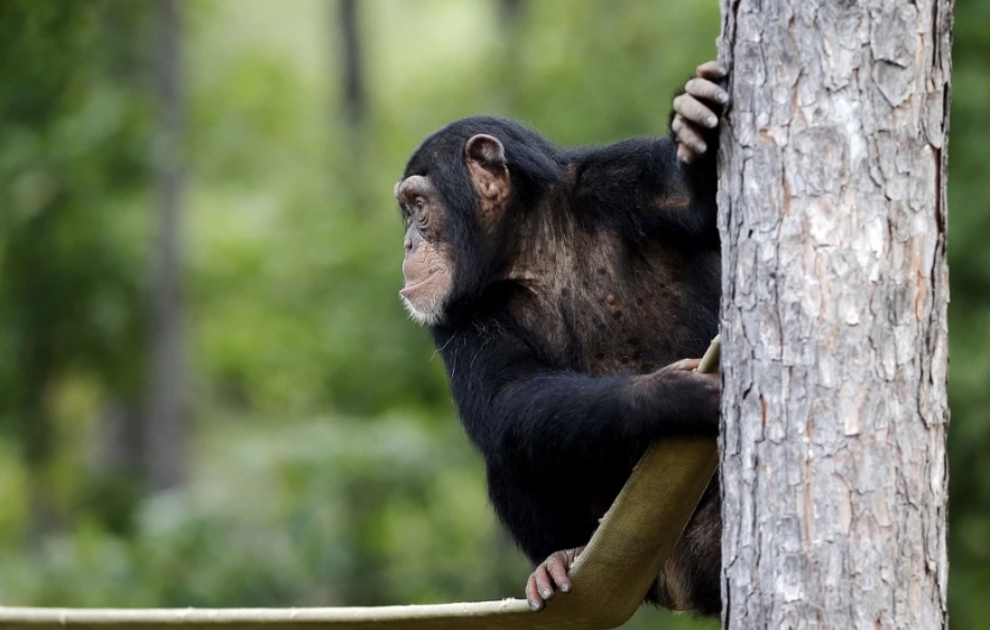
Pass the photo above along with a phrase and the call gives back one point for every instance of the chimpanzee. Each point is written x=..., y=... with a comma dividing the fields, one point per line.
x=564, y=289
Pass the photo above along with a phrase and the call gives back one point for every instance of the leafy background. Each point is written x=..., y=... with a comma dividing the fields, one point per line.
x=322, y=463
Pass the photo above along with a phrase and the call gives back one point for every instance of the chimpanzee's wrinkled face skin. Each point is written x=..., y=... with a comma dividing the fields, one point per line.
x=428, y=265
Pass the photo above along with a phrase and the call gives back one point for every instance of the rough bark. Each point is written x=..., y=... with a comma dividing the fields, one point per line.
x=165, y=433
x=835, y=286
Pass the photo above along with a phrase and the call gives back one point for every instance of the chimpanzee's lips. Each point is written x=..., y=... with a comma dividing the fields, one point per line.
x=409, y=289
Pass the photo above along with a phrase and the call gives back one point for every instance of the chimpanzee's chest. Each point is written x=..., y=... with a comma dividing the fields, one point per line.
x=629, y=310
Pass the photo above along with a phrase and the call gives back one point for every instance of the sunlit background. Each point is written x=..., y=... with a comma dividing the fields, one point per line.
x=241, y=415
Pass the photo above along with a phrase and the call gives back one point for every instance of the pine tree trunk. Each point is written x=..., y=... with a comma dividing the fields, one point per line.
x=835, y=353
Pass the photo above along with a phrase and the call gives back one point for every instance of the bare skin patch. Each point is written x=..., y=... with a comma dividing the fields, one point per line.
x=427, y=273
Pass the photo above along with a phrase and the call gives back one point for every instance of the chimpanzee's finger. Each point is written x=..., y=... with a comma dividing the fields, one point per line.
x=712, y=70
x=688, y=136
x=694, y=111
x=707, y=90
x=533, y=592
x=557, y=568
x=685, y=154
x=543, y=582
x=685, y=364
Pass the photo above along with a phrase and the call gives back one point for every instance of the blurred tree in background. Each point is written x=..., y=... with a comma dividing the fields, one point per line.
x=324, y=463
x=74, y=114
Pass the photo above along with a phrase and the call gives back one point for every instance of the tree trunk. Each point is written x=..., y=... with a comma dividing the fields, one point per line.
x=506, y=95
x=509, y=10
x=166, y=424
x=352, y=67
x=833, y=220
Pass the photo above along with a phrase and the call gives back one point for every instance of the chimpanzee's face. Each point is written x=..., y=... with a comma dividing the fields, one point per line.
x=428, y=266
x=439, y=235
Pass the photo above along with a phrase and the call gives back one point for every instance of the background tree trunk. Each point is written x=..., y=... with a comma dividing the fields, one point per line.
x=834, y=326
x=352, y=68
x=166, y=428
x=510, y=13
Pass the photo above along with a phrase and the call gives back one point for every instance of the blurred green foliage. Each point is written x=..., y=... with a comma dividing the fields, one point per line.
x=74, y=118
x=327, y=464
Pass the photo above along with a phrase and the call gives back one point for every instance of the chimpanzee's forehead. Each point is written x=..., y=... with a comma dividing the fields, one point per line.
x=420, y=163
x=437, y=151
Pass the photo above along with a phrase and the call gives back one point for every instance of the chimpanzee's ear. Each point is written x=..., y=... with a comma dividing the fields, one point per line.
x=486, y=161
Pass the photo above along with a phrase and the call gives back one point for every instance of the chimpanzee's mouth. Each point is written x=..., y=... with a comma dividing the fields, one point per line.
x=409, y=289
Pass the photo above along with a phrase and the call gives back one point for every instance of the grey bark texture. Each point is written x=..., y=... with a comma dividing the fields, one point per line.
x=835, y=353
x=165, y=433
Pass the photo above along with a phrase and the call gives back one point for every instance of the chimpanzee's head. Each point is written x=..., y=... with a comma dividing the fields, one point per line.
x=461, y=195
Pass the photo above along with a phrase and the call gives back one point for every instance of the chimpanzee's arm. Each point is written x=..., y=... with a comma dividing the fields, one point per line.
x=514, y=406
x=648, y=187
x=640, y=189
